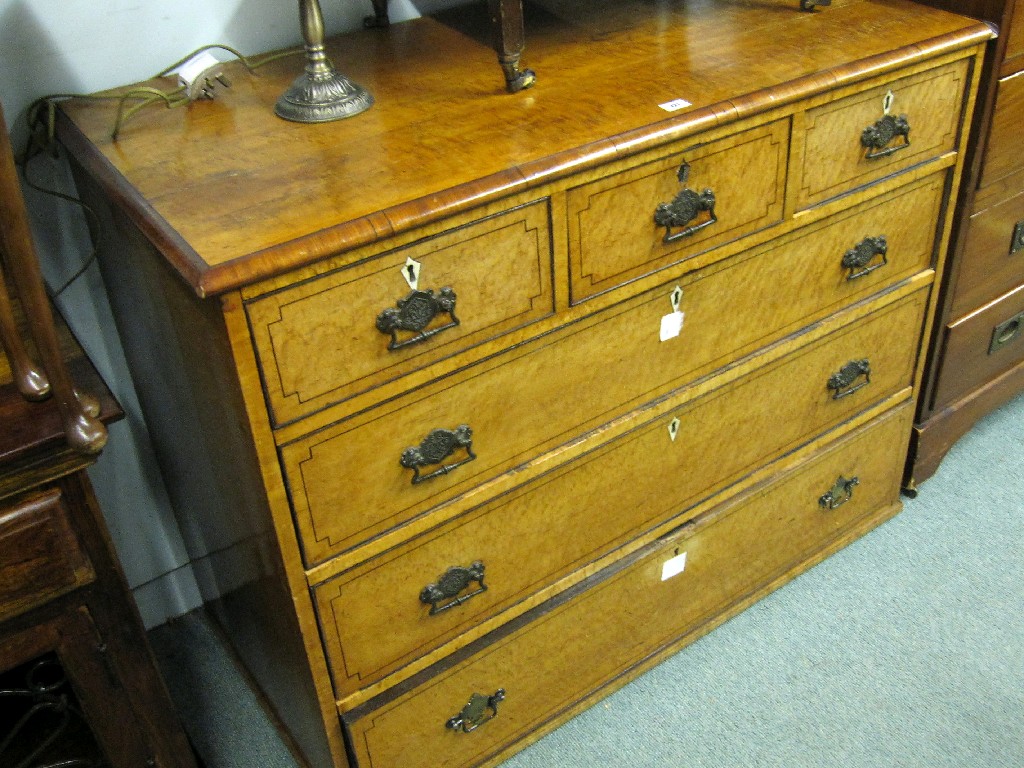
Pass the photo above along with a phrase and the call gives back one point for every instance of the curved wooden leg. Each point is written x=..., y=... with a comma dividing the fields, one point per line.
x=380, y=15
x=509, y=40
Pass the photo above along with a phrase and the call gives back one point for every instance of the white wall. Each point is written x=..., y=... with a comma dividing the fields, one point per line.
x=81, y=46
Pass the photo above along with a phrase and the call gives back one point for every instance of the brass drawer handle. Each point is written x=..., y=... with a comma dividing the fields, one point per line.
x=444, y=593
x=1017, y=239
x=876, y=138
x=844, y=381
x=863, y=258
x=1006, y=332
x=414, y=313
x=684, y=208
x=478, y=710
x=840, y=493
x=435, y=448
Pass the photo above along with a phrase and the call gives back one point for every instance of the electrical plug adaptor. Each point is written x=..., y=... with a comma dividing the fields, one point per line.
x=200, y=74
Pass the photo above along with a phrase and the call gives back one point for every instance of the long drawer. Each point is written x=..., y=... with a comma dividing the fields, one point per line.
x=515, y=404
x=561, y=652
x=385, y=612
x=1002, y=153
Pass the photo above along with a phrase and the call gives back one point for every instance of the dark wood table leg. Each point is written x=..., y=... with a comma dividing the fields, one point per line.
x=509, y=39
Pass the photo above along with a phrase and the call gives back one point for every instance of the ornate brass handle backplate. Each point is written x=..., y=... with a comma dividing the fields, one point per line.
x=687, y=207
x=414, y=313
x=866, y=256
x=445, y=592
x=435, y=448
x=840, y=493
x=478, y=710
x=848, y=379
x=877, y=138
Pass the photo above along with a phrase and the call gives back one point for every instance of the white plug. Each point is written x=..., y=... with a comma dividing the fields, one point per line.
x=200, y=74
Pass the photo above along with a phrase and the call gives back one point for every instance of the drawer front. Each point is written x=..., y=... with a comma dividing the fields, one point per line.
x=981, y=346
x=613, y=233
x=992, y=260
x=1014, y=51
x=40, y=555
x=566, y=652
x=836, y=159
x=614, y=361
x=373, y=617
x=346, y=332
x=1003, y=153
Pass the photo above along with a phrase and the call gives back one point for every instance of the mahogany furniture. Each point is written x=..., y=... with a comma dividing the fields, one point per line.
x=78, y=684
x=976, y=362
x=475, y=406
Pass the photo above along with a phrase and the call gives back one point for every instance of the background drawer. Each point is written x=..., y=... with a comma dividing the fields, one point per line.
x=614, y=361
x=988, y=266
x=968, y=356
x=575, y=646
x=613, y=237
x=318, y=343
x=1003, y=153
x=834, y=160
x=372, y=618
x=40, y=555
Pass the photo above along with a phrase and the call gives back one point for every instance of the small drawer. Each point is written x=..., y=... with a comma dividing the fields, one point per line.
x=346, y=332
x=347, y=481
x=391, y=609
x=648, y=217
x=980, y=346
x=844, y=141
x=595, y=637
x=1015, y=38
x=992, y=260
x=1003, y=154
x=40, y=555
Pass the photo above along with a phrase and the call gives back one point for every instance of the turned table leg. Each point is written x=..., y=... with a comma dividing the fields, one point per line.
x=509, y=39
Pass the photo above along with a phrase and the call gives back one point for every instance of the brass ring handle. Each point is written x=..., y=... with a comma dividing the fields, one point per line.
x=866, y=256
x=413, y=313
x=478, y=710
x=877, y=138
x=435, y=448
x=839, y=494
x=444, y=593
x=684, y=209
x=847, y=379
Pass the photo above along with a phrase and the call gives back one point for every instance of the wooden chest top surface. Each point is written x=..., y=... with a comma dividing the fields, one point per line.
x=232, y=194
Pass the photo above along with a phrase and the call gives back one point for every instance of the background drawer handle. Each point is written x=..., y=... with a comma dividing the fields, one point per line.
x=414, y=313
x=1006, y=331
x=478, y=710
x=863, y=259
x=435, y=448
x=844, y=381
x=447, y=588
x=876, y=138
x=840, y=493
x=686, y=207
x=1017, y=239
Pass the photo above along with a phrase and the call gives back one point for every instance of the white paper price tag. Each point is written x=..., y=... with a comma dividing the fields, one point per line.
x=671, y=325
x=673, y=566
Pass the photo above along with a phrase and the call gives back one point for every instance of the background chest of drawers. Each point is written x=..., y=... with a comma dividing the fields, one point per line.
x=977, y=354
x=490, y=381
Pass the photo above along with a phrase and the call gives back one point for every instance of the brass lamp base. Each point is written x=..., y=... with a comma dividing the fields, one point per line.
x=321, y=98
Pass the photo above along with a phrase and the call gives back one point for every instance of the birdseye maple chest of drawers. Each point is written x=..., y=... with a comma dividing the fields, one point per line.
x=476, y=405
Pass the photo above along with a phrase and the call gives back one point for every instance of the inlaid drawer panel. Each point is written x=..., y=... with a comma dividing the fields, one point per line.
x=592, y=636
x=324, y=340
x=614, y=230
x=40, y=555
x=992, y=260
x=373, y=617
x=844, y=141
x=348, y=484
x=1003, y=153
x=982, y=345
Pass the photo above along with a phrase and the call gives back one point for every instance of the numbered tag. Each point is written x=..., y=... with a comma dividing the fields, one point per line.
x=411, y=273
x=672, y=323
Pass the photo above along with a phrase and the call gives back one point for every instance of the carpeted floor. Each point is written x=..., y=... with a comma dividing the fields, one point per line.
x=904, y=649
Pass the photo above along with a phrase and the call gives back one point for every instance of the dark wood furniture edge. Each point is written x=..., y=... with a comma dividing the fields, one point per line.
x=208, y=281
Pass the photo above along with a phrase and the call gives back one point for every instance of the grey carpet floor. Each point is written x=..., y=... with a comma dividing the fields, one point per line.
x=904, y=649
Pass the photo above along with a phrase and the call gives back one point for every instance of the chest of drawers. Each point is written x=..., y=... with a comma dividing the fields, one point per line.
x=455, y=398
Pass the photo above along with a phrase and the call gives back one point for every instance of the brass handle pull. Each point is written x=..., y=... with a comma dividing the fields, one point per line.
x=444, y=593
x=435, y=448
x=866, y=256
x=684, y=209
x=844, y=382
x=478, y=710
x=414, y=313
x=877, y=138
x=840, y=493
x=1007, y=331
x=1017, y=238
